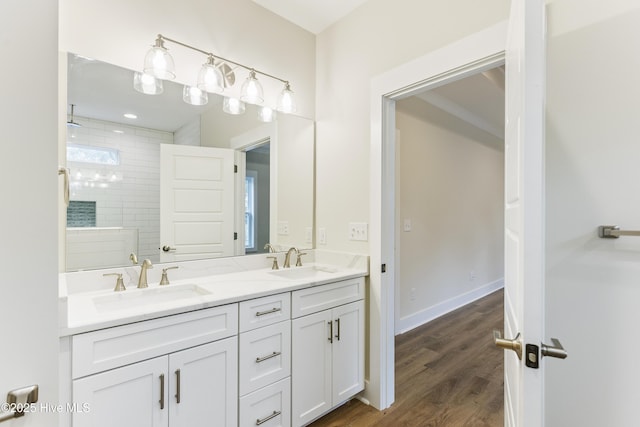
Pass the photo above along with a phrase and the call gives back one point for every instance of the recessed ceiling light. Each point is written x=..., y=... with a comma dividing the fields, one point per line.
x=130, y=116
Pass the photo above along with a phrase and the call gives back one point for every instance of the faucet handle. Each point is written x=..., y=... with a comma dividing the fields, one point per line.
x=274, y=266
x=165, y=280
x=299, y=259
x=270, y=247
x=119, y=282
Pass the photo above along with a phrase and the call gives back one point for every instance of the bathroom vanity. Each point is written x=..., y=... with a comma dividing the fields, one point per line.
x=228, y=342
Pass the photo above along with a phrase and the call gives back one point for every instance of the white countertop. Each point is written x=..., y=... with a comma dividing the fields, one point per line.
x=84, y=311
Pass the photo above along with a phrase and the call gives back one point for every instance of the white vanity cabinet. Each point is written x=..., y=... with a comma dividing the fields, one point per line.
x=328, y=348
x=265, y=361
x=175, y=371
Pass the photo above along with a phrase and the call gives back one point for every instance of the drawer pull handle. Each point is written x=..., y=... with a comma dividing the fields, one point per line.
x=177, y=385
x=330, y=331
x=265, y=419
x=272, y=355
x=338, y=325
x=161, y=391
x=273, y=310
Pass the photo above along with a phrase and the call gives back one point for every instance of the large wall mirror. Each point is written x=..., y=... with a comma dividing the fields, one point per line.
x=154, y=177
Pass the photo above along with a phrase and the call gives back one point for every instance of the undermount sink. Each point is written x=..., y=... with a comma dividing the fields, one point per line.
x=144, y=297
x=304, y=272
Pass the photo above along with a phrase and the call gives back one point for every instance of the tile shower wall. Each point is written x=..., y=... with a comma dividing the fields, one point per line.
x=127, y=195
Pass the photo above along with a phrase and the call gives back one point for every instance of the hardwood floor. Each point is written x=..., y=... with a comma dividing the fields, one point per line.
x=448, y=373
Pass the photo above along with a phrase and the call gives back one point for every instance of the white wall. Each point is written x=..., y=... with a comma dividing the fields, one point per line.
x=373, y=39
x=592, y=153
x=452, y=191
x=29, y=250
x=121, y=32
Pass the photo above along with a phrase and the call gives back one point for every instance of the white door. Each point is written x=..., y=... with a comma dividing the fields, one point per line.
x=196, y=202
x=524, y=190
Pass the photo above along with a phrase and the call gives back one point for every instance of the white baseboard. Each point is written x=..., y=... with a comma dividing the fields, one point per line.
x=420, y=318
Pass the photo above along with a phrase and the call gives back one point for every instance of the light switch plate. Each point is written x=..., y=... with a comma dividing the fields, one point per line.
x=406, y=226
x=358, y=231
x=322, y=236
x=283, y=228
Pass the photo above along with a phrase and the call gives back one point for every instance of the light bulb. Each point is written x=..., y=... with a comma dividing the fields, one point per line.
x=286, y=100
x=158, y=62
x=210, y=78
x=266, y=114
x=251, y=91
x=194, y=96
x=233, y=106
x=147, y=84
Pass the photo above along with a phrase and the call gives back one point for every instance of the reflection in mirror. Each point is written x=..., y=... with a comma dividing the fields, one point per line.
x=155, y=177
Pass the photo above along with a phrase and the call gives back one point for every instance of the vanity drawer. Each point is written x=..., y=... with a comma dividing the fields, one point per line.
x=267, y=407
x=322, y=297
x=264, y=311
x=265, y=356
x=110, y=348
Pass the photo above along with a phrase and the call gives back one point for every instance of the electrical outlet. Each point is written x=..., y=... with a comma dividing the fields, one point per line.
x=406, y=226
x=308, y=235
x=283, y=228
x=472, y=275
x=358, y=231
x=412, y=294
x=322, y=236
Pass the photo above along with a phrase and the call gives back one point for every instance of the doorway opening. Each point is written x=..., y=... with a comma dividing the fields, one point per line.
x=257, y=184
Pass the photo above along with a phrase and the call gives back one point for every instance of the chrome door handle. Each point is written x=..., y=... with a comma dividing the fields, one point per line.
x=514, y=344
x=555, y=350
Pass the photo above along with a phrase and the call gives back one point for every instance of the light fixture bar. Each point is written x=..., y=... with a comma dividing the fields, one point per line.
x=246, y=67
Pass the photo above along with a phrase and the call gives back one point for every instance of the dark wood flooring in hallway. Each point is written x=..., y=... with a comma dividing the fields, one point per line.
x=448, y=373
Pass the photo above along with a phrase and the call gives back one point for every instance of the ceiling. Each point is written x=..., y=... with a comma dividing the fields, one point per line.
x=312, y=15
x=477, y=99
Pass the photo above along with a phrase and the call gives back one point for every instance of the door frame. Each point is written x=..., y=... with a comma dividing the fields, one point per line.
x=473, y=54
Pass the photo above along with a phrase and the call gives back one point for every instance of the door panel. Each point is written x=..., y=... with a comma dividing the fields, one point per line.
x=348, y=348
x=196, y=202
x=524, y=185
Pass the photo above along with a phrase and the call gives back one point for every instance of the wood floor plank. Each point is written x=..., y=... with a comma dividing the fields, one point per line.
x=448, y=373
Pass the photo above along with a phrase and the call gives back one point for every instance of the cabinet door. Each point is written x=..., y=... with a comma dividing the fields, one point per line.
x=310, y=366
x=204, y=385
x=127, y=396
x=348, y=351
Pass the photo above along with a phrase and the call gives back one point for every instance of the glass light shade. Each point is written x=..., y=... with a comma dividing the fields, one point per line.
x=251, y=90
x=210, y=78
x=286, y=100
x=159, y=63
x=233, y=106
x=266, y=114
x=147, y=84
x=194, y=96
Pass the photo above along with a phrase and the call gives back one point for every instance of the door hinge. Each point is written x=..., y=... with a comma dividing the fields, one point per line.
x=235, y=168
x=235, y=235
x=384, y=268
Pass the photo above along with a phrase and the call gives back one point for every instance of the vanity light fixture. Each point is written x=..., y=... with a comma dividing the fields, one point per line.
x=251, y=91
x=210, y=77
x=266, y=114
x=130, y=116
x=147, y=84
x=215, y=74
x=158, y=62
x=194, y=96
x=233, y=106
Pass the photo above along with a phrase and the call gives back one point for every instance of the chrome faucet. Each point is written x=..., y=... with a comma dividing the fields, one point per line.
x=287, y=258
x=142, y=281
